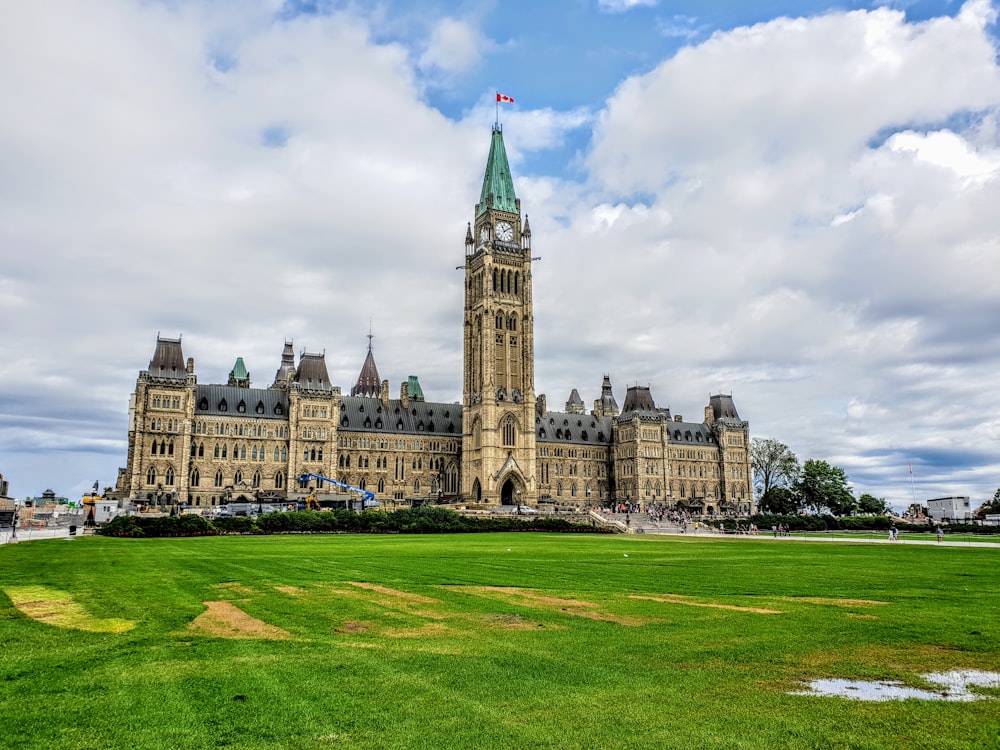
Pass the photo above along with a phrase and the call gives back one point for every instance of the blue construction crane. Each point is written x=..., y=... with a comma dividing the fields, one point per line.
x=368, y=497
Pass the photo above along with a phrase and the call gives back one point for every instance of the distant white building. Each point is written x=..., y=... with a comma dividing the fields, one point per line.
x=955, y=508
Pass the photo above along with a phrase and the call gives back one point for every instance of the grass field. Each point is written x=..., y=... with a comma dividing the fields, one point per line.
x=483, y=641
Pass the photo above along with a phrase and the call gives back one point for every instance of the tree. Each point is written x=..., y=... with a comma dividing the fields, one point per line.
x=823, y=486
x=780, y=500
x=874, y=505
x=773, y=464
x=990, y=506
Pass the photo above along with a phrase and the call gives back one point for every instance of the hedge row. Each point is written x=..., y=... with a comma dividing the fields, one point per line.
x=407, y=521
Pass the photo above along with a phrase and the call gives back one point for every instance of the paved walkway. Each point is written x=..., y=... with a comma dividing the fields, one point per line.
x=28, y=535
x=642, y=525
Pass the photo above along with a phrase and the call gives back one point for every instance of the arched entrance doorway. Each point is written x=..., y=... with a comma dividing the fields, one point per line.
x=510, y=493
x=477, y=492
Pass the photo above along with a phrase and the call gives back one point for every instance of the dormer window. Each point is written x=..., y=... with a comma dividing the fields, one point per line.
x=223, y=406
x=241, y=407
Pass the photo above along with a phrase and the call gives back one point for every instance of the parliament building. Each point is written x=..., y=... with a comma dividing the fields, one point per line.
x=204, y=445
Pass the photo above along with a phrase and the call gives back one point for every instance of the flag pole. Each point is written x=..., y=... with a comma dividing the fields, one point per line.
x=496, y=121
x=912, y=490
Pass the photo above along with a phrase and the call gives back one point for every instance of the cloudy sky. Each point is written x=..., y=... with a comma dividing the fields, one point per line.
x=795, y=201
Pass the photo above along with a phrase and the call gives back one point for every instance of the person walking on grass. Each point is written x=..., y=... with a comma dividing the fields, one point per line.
x=940, y=534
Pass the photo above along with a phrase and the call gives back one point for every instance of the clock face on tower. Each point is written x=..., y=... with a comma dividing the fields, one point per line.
x=505, y=232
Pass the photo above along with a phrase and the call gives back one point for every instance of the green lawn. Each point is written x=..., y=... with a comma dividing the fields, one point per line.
x=482, y=641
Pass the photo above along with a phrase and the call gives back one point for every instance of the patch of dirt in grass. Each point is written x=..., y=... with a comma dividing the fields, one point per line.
x=431, y=629
x=290, y=590
x=234, y=586
x=689, y=602
x=353, y=627
x=58, y=609
x=858, y=616
x=514, y=622
x=395, y=593
x=394, y=601
x=835, y=602
x=226, y=620
x=534, y=600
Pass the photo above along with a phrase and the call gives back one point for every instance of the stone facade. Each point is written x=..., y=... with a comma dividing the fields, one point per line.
x=208, y=444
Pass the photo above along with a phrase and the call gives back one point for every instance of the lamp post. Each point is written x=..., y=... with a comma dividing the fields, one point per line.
x=517, y=499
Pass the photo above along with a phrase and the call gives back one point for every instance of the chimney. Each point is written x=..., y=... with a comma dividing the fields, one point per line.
x=384, y=393
x=404, y=394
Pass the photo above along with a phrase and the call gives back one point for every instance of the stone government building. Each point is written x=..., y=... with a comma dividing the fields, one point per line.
x=206, y=444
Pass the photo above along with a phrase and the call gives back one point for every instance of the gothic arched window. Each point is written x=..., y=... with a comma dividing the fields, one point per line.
x=509, y=430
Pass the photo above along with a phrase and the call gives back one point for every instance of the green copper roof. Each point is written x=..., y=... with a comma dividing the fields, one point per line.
x=240, y=370
x=497, y=181
x=413, y=388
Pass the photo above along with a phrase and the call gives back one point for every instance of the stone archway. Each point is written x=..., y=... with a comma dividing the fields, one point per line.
x=477, y=491
x=511, y=492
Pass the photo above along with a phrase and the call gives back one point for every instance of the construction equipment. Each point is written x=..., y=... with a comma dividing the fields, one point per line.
x=310, y=502
x=367, y=497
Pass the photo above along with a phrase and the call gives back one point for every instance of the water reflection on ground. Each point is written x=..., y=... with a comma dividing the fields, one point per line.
x=952, y=686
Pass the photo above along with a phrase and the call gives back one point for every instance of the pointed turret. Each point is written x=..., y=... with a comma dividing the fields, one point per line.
x=606, y=406
x=498, y=185
x=239, y=376
x=369, y=383
x=413, y=388
x=287, y=368
x=575, y=403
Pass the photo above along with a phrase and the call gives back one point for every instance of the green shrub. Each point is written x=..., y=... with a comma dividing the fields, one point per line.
x=157, y=526
x=241, y=524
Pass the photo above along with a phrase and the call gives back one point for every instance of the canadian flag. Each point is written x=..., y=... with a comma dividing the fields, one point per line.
x=504, y=97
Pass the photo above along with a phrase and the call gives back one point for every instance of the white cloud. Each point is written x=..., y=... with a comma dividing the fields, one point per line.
x=454, y=46
x=621, y=6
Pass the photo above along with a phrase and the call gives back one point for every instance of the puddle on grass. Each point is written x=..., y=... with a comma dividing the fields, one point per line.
x=954, y=686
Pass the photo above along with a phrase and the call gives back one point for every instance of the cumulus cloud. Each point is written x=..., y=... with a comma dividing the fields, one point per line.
x=454, y=46
x=795, y=214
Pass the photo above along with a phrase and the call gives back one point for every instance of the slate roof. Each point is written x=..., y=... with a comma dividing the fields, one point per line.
x=694, y=433
x=370, y=415
x=312, y=372
x=563, y=427
x=723, y=407
x=224, y=400
x=575, y=402
x=638, y=398
x=168, y=359
x=369, y=383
